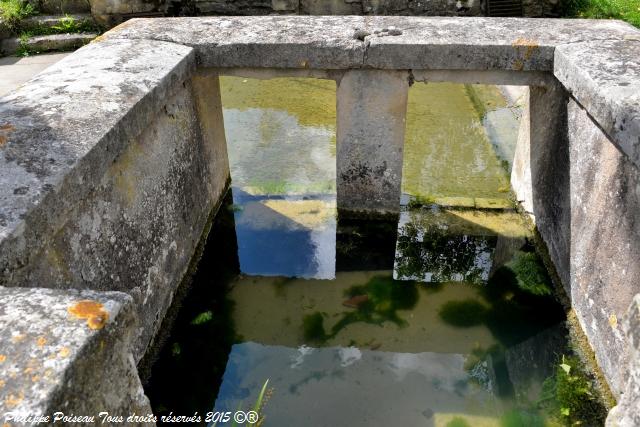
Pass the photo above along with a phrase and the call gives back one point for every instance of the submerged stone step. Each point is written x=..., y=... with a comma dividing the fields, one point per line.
x=48, y=43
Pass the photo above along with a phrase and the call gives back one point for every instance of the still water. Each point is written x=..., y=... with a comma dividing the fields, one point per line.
x=443, y=318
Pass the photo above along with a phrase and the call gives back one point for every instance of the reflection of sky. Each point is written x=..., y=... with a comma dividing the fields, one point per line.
x=272, y=154
x=290, y=236
x=350, y=387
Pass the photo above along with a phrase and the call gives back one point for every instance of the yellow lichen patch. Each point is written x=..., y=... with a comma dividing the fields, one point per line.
x=64, y=352
x=613, y=321
x=93, y=311
x=2, y=358
x=2, y=383
x=41, y=341
x=35, y=378
x=13, y=400
x=18, y=338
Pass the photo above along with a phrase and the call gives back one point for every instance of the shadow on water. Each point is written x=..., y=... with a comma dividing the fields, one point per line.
x=189, y=369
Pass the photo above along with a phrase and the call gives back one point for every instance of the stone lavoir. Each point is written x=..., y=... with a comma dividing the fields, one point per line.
x=114, y=162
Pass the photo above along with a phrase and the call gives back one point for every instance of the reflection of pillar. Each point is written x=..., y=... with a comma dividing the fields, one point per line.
x=365, y=245
x=371, y=108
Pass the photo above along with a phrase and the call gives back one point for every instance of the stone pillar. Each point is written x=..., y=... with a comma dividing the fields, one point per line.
x=371, y=109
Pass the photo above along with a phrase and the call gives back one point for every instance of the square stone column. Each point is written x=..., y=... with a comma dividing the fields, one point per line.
x=371, y=109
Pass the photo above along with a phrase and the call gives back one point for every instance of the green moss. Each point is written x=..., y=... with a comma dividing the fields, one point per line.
x=458, y=422
x=313, y=328
x=521, y=418
x=530, y=273
x=465, y=313
x=312, y=101
x=447, y=152
x=569, y=395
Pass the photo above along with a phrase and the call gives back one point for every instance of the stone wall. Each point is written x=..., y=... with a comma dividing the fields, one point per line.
x=110, y=12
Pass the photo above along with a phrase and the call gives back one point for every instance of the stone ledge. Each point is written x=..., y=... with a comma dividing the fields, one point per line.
x=604, y=77
x=51, y=342
x=60, y=132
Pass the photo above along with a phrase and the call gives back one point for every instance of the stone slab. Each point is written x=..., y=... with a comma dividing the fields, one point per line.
x=60, y=132
x=58, y=345
x=604, y=237
x=257, y=41
x=604, y=77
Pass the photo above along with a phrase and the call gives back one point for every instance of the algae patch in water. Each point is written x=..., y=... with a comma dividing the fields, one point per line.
x=447, y=152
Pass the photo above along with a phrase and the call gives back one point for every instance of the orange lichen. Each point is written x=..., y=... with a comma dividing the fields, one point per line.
x=18, y=338
x=2, y=358
x=2, y=383
x=530, y=47
x=93, y=311
x=41, y=341
x=12, y=400
x=4, y=130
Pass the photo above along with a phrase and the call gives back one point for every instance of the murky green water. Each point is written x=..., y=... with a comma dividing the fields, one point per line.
x=444, y=318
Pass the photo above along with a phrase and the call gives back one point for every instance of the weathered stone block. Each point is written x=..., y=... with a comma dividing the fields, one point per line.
x=605, y=240
x=329, y=7
x=371, y=108
x=67, y=351
x=626, y=413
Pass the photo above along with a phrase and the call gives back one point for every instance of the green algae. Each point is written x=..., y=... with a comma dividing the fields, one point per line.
x=447, y=152
x=530, y=273
x=311, y=101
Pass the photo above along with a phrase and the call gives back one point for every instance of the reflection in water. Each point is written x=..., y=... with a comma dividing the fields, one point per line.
x=444, y=319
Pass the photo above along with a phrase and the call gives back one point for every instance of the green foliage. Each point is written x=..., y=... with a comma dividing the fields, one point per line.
x=202, y=318
x=626, y=10
x=530, y=273
x=570, y=396
x=465, y=313
x=12, y=11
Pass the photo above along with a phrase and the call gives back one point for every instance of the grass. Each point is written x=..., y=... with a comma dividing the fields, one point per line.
x=626, y=10
x=12, y=11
